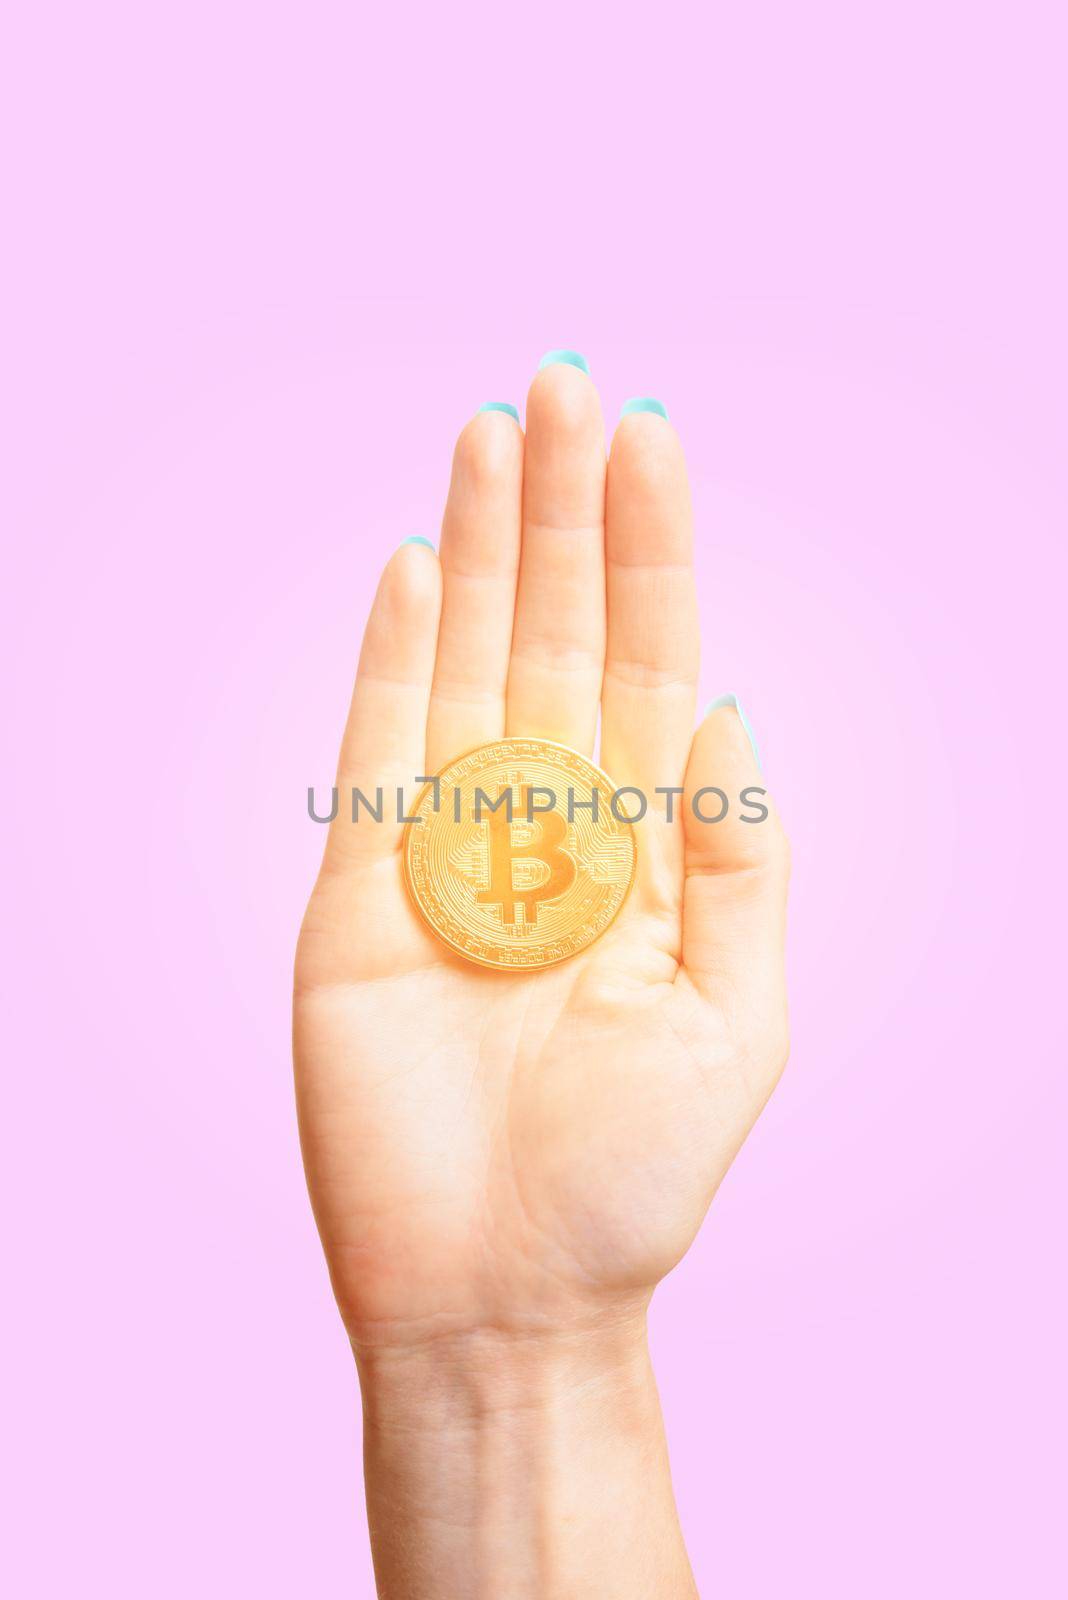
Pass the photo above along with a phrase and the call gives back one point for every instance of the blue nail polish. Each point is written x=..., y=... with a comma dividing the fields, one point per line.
x=417, y=538
x=567, y=358
x=643, y=402
x=732, y=700
x=500, y=405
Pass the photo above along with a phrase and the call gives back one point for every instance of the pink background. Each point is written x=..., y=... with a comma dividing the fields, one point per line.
x=264, y=262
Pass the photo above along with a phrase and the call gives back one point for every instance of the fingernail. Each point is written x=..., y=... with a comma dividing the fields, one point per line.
x=732, y=700
x=567, y=358
x=500, y=405
x=643, y=402
x=417, y=538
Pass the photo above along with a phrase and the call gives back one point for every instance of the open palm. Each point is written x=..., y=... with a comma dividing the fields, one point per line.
x=532, y=1150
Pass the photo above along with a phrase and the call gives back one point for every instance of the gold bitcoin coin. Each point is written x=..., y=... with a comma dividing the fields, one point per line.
x=519, y=854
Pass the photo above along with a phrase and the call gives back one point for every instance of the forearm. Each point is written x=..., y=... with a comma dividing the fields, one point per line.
x=514, y=1467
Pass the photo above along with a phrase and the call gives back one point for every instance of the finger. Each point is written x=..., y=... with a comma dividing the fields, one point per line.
x=554, y=679
x=384, y=745
x=479, y=560
x=651, y=664
x=737, y=871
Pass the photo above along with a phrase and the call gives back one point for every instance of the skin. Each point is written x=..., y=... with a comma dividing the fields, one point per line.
x=503, y=1166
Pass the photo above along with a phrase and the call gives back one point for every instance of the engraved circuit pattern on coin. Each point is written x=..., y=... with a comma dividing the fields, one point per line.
x=520, y=893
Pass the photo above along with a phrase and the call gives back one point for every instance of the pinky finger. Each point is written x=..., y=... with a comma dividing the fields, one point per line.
x=384, y=746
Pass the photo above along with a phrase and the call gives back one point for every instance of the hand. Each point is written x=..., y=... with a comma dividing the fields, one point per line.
x=498, y=1162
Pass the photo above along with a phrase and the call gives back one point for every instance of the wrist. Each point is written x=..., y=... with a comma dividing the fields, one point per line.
x=537, y=1460
x=460, y=1379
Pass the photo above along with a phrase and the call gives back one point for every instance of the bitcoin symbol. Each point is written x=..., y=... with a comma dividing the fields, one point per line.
x=508, y=885
x=509, y=861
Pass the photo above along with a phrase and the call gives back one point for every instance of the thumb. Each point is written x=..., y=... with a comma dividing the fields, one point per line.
x=737, y=870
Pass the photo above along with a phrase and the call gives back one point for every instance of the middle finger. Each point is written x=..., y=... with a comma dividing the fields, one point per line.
x=558, y=641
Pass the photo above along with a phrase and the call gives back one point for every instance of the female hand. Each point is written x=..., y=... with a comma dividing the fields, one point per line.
x=504, y=1165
